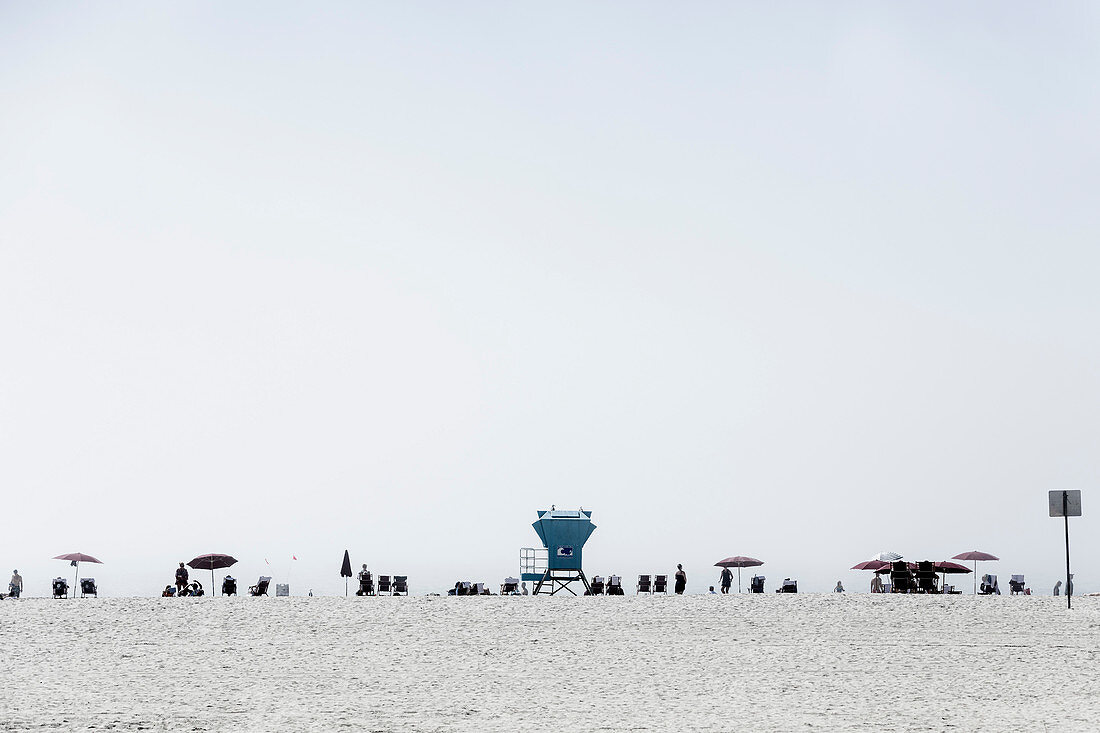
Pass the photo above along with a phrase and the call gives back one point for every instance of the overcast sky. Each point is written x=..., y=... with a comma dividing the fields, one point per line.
x=797, y=281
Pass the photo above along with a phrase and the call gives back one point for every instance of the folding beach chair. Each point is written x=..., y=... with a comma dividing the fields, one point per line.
x=1016, y=585
x=384, y=586
x=926, y=577
x=596, y=587
x=660, y=584
x=87, y=588
x=510, y=587
x=260, y=589
x=644, y=585
x=60, y=588
x=479, y=589
x=756, y=585
x=614, y=586
x=789, y=586
x=366, y=584
x=901, y=578
x=401, y=585
x=229, y=586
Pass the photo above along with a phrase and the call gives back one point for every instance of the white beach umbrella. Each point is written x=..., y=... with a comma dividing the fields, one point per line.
x=886, y=557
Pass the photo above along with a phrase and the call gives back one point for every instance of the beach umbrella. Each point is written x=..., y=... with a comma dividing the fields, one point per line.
x=875, y=565
x=946, y=567
x=975, y=556
x=738, y=561
x=75, y=558
x=345, y=571
x=886, y=556
x=213, y=561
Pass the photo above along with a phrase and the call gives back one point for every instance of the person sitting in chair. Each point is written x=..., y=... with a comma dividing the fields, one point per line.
x=364, y=581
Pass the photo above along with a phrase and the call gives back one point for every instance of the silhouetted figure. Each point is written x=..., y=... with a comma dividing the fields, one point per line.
x=681, y=580
x=726, y=580
x=181, y=579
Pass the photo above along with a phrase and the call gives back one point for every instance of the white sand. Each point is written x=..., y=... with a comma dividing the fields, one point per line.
x=771, y=662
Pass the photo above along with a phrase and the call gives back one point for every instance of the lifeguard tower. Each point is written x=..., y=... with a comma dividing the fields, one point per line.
x=558, y=562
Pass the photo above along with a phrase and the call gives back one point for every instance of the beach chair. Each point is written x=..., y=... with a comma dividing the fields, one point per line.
x=60, y=588
x=614, y=586
x=366, y=584
x=756, y=585
x=901, y=578
x=229, y=586
x=384, y=585
x=644, y=585
x=989, y=586
x=1016, y=585
x=87, y=588
x=260, y=589
x=401, y=585
x=282, y=590
x=926, y=577
x=596, y=587
x=660, y=584
x=510, y=587
x=789, y=586
x=949, y=589
x=479, y=590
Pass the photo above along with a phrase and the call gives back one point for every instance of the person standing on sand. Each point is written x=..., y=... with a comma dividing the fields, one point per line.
x=1058, y=588
x=15, y=587
x=681, y=580
x=876, y=584
x=726, y=580
x=181, y=578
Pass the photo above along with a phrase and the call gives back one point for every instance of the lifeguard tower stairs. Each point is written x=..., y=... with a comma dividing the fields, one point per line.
x=558, y=562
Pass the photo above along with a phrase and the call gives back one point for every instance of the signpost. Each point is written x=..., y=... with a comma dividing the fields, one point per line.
x=1066, y=503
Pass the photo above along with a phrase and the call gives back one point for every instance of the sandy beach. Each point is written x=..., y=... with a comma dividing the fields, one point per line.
x=791, y=662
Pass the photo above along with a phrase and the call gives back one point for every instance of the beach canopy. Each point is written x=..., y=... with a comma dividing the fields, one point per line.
x=886, y=556
x=212, y=561
x=738, y=561
x=975, y=556
x=345, y=570
x=946, y=566
x=75, y=558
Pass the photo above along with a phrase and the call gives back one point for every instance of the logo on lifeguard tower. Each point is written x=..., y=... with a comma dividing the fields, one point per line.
x=566, y=551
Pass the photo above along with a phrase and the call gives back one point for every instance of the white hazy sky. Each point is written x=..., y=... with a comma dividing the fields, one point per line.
x=802, y=281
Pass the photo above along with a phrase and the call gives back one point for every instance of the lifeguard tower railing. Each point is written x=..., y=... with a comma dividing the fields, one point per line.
x=533, y=562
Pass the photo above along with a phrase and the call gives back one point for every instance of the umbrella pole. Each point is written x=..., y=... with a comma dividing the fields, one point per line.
x=211, y=581
x=975, y=577
x=738, y=581
x=76, y=578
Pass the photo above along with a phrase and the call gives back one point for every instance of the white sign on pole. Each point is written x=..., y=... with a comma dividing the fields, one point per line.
x=1072, y=503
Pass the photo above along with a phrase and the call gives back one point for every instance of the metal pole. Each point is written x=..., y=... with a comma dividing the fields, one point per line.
x=1065, y=515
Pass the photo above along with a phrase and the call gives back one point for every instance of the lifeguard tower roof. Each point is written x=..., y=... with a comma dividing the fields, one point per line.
x=563, y=534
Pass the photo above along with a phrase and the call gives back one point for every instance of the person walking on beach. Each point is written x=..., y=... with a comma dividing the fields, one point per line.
x=15, y=587
x=181, y=578
x=726, y=580
x=681, y=580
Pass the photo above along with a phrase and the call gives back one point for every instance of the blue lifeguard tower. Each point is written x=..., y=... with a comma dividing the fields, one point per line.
x=558, y=562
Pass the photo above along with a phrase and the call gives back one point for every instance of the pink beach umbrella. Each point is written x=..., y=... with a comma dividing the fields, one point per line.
x=975, y=555
x=738, y=561
x=75, y=558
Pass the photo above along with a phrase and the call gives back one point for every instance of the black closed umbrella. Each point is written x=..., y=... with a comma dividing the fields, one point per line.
x=345, y=571
x=213, y=561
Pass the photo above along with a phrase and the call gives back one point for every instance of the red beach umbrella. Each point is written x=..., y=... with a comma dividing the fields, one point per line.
x=213, y=561
x=975, y=555
x=875, y=565
x=738, y=561
x=75, y=558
